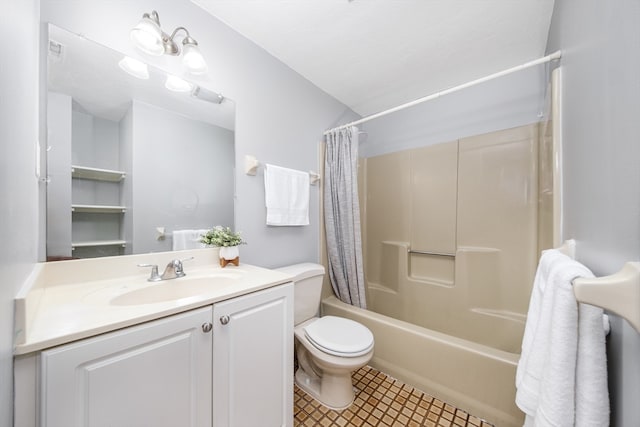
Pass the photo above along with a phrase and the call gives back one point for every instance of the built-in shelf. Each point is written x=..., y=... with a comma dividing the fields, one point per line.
x=95, y=243
x=98, y=209
x=96, y=174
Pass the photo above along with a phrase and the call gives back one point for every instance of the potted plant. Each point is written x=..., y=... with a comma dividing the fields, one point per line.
x=228, y=242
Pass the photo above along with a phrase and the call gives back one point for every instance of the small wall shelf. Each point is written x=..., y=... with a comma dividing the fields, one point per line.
x=98, y=209
x=96, y=174
x=96, y=243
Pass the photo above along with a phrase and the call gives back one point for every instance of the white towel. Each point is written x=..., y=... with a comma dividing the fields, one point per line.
x=561, y=378
x=187, y=239
x=286, y=196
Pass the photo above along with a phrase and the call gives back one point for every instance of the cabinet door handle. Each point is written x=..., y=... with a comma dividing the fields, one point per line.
x=224, y=319
x=206, y=327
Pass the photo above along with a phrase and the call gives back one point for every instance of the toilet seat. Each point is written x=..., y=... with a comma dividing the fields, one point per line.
x=339, y=336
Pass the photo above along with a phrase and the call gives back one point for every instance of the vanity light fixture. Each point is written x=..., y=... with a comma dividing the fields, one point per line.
x=134, y=67
x=207, y=95
x=176, y=84
x=148, y=36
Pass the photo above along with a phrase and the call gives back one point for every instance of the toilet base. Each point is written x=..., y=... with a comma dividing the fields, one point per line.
x=333, y=391
x=326, y=377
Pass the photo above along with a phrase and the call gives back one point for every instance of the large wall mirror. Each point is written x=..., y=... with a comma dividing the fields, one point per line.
x=135, y=164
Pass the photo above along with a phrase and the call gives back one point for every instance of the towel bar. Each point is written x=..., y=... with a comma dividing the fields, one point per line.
x=251, y=165
x=618, y=293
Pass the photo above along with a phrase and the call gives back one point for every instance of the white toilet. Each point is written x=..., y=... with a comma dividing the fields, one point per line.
x=329, y=348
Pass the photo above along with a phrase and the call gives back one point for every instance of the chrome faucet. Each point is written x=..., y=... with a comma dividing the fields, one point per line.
x=173, y=270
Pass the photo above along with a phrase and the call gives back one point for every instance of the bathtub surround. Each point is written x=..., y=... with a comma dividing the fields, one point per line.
x=457, y=252
x=463, y=230
x=342, y=216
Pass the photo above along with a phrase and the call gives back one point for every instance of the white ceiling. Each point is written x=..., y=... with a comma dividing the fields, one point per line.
x=375, y=54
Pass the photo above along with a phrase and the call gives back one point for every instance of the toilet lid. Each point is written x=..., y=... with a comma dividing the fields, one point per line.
x=339, y=336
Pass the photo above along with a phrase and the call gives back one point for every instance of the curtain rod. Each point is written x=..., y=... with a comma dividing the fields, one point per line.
x=545, y=59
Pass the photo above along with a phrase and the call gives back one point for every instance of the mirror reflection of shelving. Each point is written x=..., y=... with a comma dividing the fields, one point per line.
x=86, y=205
x=96, y=186
x=95, y=225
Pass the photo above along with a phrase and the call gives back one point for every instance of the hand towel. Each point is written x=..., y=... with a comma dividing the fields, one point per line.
x=286, y=196
x=187, y=239
x=561, y=377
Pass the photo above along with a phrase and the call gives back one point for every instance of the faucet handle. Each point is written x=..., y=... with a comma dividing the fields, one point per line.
x=178, y=266
x=154, y=277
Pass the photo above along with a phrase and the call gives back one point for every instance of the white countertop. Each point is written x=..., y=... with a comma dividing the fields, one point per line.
x=65, y=301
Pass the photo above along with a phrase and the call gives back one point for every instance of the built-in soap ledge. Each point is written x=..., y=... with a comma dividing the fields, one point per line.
x=618, y=293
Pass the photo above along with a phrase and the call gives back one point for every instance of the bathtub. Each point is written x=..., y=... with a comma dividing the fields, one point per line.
x=473, y=377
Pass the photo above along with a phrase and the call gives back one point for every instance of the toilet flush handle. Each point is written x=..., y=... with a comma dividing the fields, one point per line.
x=224, y=319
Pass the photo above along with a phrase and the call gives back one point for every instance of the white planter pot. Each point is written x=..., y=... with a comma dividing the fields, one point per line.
x=229, y=253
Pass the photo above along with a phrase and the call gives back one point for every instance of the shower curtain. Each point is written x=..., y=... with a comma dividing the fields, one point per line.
x=342, y=217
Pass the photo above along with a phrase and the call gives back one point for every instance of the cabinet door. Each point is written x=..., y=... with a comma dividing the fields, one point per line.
x=253, y=359
x=155, y=374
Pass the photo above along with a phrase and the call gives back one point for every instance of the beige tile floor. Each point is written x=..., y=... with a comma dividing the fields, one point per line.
x=382, y=401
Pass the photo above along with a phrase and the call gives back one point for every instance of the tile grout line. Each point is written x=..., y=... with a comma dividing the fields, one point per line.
x=384, y=401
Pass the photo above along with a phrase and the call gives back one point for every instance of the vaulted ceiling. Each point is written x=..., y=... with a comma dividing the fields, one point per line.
x=376, y=54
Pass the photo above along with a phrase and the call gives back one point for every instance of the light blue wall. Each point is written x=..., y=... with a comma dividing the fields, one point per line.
x=280, y=116
x=184, y=187
x=503, y=103
x=19, y=227
x=600, y=42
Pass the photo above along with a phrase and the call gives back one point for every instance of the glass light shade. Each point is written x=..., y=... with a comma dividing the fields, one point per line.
x=134, y=67
x=147, y=36
x=193, y=59
x=176, y=84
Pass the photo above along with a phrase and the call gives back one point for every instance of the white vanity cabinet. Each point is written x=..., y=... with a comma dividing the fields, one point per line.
x=228, y=364
x=155, y=374
x=253, y=359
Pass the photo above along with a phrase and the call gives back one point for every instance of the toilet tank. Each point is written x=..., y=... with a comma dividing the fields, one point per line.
x=307, y=289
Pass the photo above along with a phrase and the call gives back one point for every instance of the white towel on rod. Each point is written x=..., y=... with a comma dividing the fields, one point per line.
x=561, y=378
x=187, y=239
x=286, y=196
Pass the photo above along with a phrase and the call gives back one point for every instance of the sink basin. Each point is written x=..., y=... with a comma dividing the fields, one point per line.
x=169, y=290
x=173, y=290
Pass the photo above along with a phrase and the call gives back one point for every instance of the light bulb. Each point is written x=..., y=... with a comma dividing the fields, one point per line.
x=147, y=36
x=176, y=84
x=193, y=59
x=134, y=67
